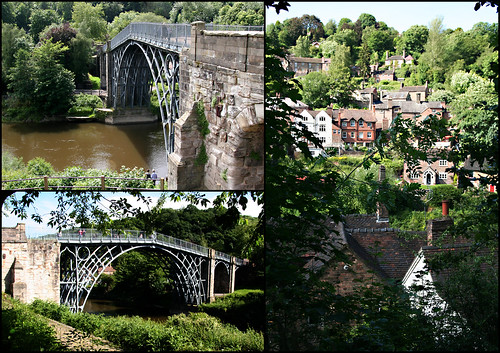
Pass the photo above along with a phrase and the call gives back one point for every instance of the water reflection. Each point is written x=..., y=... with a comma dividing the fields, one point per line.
x=88, y=145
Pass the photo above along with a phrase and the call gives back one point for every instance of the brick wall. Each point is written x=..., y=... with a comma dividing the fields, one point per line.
x=225, y=71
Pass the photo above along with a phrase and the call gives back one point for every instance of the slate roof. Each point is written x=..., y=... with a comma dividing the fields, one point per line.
x=413, y=89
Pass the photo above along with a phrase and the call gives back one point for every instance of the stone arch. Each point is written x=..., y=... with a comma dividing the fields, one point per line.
x=221, y=274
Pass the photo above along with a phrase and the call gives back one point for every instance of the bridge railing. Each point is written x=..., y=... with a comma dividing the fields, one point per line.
x=134, y=236
x=173, y=36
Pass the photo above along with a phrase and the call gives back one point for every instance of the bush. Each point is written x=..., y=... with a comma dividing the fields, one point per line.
x=84, y=104
x=445, y=192
x=23, y=331
x=194, y=332
x=244, y=308
x=40, y=167
x=96, y=82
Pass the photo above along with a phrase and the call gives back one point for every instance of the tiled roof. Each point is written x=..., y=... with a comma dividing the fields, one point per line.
x=356, y=114
x=390, y=251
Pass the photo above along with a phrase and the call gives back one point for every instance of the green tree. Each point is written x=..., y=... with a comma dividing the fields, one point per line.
x=54, y=84
x=364, y=61
x=13, y=39
x=190, y=11
x=89, y=20
x=367, y=20
x=241, y=13
x=330, y=28
x=302, y=47
x=120, y=22
x=434, y=53
x=40, y=19
x=414, y=39
x=315, y=89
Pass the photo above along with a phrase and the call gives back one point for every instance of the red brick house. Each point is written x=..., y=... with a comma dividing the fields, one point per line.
x=358, y=126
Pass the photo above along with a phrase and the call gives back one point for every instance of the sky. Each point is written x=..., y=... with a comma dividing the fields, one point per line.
x=398, y=15
x=46, y=202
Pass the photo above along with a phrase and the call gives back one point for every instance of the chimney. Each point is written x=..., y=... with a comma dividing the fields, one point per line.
x=382, y=212
x=389, y=103
x=435, y=230
x=445, y=207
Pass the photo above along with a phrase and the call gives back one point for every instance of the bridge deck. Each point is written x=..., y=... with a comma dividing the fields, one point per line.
x=172, y=36
x=91, y=236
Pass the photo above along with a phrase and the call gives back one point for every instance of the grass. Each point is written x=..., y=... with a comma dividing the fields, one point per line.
x=192, y=332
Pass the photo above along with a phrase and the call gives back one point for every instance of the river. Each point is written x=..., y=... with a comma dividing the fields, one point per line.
x=89, y=145
x=114, y=308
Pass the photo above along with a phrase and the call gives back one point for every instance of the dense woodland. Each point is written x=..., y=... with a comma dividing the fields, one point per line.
x=48, y=48
x=305, y=195
x=439, y=54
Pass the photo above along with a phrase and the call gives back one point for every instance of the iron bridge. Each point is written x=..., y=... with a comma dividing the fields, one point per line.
x=144, y=57
x=84, y=257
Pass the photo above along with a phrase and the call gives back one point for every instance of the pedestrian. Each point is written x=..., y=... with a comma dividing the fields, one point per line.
x=154, y=176
x=80, y=232
x=83, y=232
x=148, y=174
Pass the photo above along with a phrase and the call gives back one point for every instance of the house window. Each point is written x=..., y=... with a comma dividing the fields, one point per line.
x=414, y=175
x=443, y=162
x=334, y=131
x=360, y=122
x=443, y=176
x=353, y=122
x=344, y=134
x=353, y=134
x=322, y=128
x=344, y=123
x=360, y=135
x=369, y=134
x=418, y=97
x=321, y=118
x=322, y=139
x=304, y=118
x=368, y=124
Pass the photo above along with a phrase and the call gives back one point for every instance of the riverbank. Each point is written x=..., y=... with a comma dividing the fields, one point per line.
x=192, y=332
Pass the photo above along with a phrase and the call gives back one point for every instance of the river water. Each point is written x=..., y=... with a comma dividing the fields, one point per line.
x=89, y=145
x=114, y=308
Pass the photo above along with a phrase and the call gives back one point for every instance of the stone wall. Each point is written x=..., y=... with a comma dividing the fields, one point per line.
x=225, y=71
x=30, y=267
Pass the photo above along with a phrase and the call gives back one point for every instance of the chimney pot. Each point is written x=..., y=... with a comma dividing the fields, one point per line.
x=445, y=205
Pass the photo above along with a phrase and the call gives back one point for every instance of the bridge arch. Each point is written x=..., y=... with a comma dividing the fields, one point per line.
x=84, y=265
x=131, y=79
x=84, y=258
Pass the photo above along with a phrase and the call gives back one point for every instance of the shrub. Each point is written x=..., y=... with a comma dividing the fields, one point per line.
x=84, y=104
x=445, y=192
x=96, y=82
x=23, y=331
x=243, y=308
x=39, y=167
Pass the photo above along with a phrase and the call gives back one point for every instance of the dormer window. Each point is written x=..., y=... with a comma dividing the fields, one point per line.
x=353, y=122
x=360, y=122
x=344, y=123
